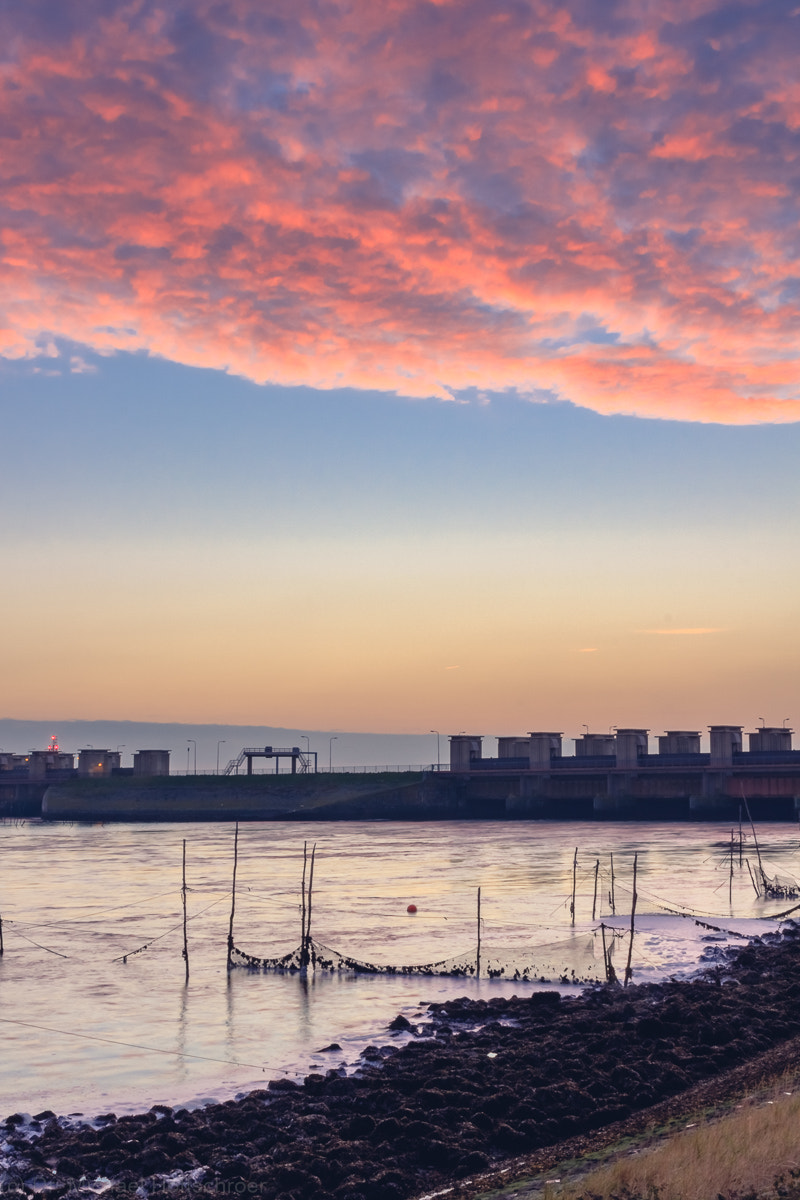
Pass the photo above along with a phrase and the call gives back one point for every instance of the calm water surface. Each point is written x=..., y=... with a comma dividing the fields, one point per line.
x=81, y=1030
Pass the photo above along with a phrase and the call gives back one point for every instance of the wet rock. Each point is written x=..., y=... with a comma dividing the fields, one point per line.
x=69, y=1167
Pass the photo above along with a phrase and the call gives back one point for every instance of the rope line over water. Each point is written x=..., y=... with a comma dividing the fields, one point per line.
x=124, y=957
x=93, y=1037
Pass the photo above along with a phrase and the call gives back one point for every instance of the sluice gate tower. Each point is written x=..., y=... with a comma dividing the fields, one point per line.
x=614, y=774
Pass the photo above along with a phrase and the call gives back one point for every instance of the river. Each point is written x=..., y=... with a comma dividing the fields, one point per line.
x=92, y=1022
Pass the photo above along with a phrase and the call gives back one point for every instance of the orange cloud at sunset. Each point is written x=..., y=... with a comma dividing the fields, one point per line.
x=597, y=205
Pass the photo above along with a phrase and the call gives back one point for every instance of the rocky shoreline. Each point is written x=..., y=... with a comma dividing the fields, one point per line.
x=482, y=1084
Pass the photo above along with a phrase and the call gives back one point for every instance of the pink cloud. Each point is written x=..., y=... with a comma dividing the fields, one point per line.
x=598, y=203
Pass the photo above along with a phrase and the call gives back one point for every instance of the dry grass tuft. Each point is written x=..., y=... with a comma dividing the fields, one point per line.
x=750, y=1153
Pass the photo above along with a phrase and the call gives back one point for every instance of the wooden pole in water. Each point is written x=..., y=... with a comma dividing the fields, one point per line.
x=752, y=880
x=233, y=894
x=730, y=877
x=183, y=893
x=574, y=882
x=1, y=937
x=763, y=878
x=303, y=907
x=606, y=959
x=612, y=897
x=478, y=955
x=628, y=971
x=594, y=901
x=310, y=887
x=741, y=839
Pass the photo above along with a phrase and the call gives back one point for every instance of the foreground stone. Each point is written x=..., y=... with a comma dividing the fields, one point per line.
x=488, y=1082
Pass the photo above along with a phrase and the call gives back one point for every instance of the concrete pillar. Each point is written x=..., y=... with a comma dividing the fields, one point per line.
x=543, y=748
x=725, y=741
x=465, y=748
x=631, y=743
x=513, y=747
x=770, y=740
x=679, y=741
x=151, y=762
x=95, y=763
x=590, y=744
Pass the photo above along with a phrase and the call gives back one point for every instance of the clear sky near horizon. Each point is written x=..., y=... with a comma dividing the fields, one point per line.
x=402, y=366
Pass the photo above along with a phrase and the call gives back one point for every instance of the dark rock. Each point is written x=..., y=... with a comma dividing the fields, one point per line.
x=69, y=1167
x=472, y=1163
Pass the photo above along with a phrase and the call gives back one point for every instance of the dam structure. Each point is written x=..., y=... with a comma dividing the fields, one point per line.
x=614, y=774
x=610, y=776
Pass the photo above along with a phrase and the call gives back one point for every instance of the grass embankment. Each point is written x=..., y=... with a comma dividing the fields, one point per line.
x=747, y=1150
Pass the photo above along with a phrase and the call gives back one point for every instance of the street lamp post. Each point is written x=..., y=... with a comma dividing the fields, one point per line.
x=194, y=743
x=335, y=738
x=438, y=755
x=221, y=742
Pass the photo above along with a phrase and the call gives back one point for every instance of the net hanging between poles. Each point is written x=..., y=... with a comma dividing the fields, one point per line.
x=578, y=960
x=777, y=886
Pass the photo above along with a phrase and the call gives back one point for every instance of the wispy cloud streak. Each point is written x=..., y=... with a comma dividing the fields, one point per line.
x=695, y=632
x=594, y=201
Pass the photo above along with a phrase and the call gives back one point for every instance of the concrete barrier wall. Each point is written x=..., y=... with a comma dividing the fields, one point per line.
x=200, y=798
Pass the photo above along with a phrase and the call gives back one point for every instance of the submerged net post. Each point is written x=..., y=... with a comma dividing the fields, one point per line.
x=752, y=878
x=183, y=894
x=628, y=971
x=233, y=893
x=574, y=884
x=303, y=907
x=478, y=953
x=594, y=899
x=611, y=897
x=308, y=915
x=755, y=839
x=611, y=975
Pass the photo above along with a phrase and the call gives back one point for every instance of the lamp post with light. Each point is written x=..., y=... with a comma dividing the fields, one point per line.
x=221, y=742
x=194, y=743
x=335, y=738
x=438, y=755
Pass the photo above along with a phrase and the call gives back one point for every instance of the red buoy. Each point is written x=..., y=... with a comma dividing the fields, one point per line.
x=412, y=908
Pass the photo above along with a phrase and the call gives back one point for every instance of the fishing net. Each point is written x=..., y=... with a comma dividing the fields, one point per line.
x=777, y=886
x=580, y=959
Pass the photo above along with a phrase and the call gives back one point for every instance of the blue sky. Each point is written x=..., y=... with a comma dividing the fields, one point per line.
x=191, y=546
